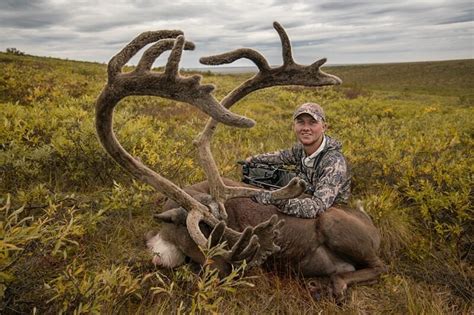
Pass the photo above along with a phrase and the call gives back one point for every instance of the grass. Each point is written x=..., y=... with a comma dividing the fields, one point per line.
x=443, y=78
x=72, y=222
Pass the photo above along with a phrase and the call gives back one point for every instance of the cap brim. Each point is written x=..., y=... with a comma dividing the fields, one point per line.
x=315, y=116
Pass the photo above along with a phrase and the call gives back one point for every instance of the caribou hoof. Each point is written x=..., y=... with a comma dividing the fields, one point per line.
x=315, y=290
x=319, y=288
x=339, y=289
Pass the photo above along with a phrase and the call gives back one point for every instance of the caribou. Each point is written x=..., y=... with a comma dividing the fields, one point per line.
x=342, y=243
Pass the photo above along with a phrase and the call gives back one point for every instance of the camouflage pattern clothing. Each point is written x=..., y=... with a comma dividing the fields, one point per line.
x=327, y=172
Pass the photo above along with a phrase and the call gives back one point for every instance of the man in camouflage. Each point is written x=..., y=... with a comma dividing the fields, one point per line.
x=318, y=160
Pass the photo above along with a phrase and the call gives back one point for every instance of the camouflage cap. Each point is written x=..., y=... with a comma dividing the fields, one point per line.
x=313, y=109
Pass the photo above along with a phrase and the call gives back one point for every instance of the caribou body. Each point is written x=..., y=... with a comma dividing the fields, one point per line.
x=342, y=243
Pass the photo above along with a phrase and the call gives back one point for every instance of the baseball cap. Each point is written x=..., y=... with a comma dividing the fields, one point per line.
x=313, y=109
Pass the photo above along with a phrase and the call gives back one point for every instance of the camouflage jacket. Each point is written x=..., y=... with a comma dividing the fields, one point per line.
x=329, y=177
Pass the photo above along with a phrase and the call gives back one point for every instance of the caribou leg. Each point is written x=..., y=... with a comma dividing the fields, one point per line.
x=354, y=237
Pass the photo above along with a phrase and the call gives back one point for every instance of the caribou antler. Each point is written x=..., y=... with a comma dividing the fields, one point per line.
x=169, y=84
x=290, y=73
x=144, y=81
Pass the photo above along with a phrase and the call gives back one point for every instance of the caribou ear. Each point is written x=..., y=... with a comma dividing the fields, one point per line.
x=177, y=216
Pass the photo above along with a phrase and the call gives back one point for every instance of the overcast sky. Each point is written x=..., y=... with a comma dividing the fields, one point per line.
x=345, y=32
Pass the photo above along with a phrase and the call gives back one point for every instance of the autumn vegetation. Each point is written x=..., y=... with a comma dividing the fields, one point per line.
x=72, y=221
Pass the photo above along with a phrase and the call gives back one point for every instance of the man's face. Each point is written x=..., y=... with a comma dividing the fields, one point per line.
x=308, y=130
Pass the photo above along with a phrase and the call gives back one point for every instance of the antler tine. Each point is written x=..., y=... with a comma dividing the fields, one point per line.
x=245, y=247
x=267, y=232
x=285, y=44
x=172, y=66
x=152, y=53
x=318, y=64
x=232, y=56
x=120, y=59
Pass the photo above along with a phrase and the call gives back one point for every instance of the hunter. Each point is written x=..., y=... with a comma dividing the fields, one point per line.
x=318, y=160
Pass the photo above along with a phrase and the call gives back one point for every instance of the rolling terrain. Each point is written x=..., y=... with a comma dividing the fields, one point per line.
x=72, y=222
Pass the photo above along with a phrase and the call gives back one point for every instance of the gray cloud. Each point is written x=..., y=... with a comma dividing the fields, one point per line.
x=20, y=4
x=343, y=31
x=467, y=15
x=30, y=14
